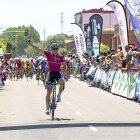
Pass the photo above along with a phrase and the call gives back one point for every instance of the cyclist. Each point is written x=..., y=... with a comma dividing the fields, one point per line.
x=43, y=67
x=28, y=64
x=18, y=65
x=68, y=66
x=36, y=65
x=54, y=61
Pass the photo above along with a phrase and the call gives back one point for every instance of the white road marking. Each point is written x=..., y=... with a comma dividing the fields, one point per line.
x=78, y=113
x=92, y=128
x=67, y=103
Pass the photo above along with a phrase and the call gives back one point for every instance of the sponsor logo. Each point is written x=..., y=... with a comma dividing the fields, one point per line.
x=96, y=27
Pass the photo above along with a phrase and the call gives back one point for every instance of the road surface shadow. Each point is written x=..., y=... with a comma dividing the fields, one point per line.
x=61, y=119
x=70, y=125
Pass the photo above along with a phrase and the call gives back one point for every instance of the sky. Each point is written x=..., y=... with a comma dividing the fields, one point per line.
x=44, y=14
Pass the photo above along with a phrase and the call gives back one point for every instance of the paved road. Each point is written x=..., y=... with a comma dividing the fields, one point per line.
x=84, y=113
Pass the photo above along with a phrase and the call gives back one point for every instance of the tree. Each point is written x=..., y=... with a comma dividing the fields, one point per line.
x=29, y=50
x=19, y=38
x=45, y=45
x=3, y=46
x=59, y=38
x=63, y=51
x=10, y=46
x=104, y=47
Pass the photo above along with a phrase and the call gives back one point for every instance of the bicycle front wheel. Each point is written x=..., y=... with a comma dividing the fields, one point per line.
x=52, y=113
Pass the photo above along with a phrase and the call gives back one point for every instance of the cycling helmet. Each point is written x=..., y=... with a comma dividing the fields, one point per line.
x=54, y=46
x=31, y=59
x=17, y=59
x=11, y=59
x=27, y=60
x=44, y=60
x=36, y=57
x=40, y=58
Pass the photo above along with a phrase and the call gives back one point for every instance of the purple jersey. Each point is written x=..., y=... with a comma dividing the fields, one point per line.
x=54, y=61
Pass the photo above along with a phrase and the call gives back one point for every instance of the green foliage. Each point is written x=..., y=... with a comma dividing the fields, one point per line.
x=59, y=38
x=10, y=46
x=29, y=50
x=45, y=45
x=19, y=38
x=63, y=51
x=3, y=45
x=104, y=47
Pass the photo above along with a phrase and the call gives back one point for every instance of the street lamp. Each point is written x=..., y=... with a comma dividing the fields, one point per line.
x=15, y=41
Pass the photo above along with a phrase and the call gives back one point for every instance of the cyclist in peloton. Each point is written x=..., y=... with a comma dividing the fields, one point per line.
x=54, y=61
x=18, y=65
x=43, y=67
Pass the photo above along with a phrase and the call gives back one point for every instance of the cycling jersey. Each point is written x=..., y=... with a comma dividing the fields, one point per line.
x=54, y=61
x=36, y=63
x=68, y=63
x=18, y=63
x=29, y=63
x=43, y=66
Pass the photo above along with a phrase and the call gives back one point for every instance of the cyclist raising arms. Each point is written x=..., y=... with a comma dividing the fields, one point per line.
x=54, y=61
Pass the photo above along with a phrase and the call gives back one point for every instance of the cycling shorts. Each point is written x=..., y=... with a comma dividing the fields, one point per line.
x=52, y=75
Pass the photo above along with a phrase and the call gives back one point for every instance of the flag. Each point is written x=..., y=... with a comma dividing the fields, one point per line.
x=118, y=9
x=79, y=39
x=133, y=10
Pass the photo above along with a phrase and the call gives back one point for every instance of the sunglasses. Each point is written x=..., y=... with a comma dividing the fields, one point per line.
x=55, y=49
x=126, y=48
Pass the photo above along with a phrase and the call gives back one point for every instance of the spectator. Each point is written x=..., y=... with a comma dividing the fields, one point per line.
x=73, y=64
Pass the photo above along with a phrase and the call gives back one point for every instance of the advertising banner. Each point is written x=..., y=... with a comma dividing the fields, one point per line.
x=116, y=82
x=123, y=85
x=110, y=77
x=133, y=9
x=96, y=23
x=98, y=75
x=79, y=40
x=137, y=89
x=89, y=40
x=118, y=9
x=104, y=78
x=132, y=85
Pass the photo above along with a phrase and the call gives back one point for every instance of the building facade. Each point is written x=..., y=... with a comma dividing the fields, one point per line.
x=70, y=45
x=109, y=19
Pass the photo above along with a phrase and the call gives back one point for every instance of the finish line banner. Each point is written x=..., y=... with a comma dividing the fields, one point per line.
x=118, y=9
x=79, y=40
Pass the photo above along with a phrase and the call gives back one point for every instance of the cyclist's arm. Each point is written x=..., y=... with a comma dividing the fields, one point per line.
x=36, y=47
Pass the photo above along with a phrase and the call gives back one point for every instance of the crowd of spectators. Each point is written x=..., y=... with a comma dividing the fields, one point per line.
x=4, y=63
x=107, y=60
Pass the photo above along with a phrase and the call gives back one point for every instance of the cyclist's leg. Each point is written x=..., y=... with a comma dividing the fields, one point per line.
x=19, y=70
x=29, y=70
x=49, y=90
x=60, y=80
x=46, y=74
